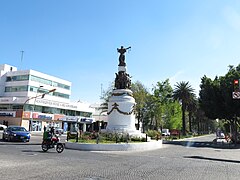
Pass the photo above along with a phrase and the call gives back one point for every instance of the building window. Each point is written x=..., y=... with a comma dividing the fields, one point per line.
x=52, y=110
x=37, y=90
x=49, y=82
x=17, y=78
x=86, y=114
x=47, y=110
x=16, y=88
x=41, y=80
x=61, y=95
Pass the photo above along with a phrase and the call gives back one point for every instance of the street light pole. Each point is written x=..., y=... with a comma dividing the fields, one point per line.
x=42, y=96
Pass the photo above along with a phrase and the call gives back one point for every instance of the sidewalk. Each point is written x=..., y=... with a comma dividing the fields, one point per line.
x=34, y=133
x=39, y=133
x=204, y=141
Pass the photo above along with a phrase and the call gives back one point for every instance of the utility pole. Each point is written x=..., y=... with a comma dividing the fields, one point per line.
x=21, y=59
x=101, y=89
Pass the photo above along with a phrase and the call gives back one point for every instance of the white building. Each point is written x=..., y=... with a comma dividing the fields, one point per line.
x=21, y=101
x=100, y=117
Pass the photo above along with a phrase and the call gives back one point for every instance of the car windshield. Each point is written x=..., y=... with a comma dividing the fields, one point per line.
x=18, y=129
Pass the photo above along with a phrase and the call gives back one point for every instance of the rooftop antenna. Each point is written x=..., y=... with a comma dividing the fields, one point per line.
x=21, y=58
x=101, y=89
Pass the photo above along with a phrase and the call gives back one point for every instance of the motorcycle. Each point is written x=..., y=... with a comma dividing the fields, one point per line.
x=52, y=143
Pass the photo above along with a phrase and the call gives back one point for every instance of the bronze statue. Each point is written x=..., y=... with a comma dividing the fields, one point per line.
x=122, y=50
x=122, y=80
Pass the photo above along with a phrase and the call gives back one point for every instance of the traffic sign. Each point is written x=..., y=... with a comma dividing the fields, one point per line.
x=236, y=85
x=236, y=95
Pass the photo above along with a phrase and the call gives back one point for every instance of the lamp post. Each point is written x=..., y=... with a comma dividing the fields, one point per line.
x=42, y=96
x=33, y=108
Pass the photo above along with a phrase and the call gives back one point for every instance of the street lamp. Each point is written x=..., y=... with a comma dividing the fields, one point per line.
x=42, y=96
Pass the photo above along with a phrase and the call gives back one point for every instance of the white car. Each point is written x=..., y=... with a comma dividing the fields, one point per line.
x=2, y=127
x=165, y=132
x=58, y=131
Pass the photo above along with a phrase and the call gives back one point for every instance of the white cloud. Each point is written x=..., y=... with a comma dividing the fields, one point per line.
x=182, y=76
x=176, y=77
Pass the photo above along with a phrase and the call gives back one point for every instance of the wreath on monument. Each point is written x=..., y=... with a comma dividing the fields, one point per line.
x=115, y=106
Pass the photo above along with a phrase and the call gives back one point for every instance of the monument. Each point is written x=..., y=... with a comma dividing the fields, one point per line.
x=121, y=117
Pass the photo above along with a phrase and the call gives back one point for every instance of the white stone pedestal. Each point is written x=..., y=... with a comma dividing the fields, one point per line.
x=121, y=117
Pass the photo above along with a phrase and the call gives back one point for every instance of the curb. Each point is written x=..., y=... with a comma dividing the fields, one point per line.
x=145, y=146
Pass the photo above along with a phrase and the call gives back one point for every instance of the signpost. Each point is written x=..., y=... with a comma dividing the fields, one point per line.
x=236, y=95
x=236, y=89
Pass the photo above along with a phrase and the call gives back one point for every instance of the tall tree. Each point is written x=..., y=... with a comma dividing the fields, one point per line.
x=140, y=95
x=149, y=112
x=216, y=98
x=166, y=109
x=162, y=91
x=183, y=93
x=191, y=108
x=216, y=95
x=106, y=94
x=210, y=98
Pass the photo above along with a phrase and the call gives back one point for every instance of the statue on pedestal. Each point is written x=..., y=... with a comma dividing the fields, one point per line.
x=122, y=51
x=122, y=80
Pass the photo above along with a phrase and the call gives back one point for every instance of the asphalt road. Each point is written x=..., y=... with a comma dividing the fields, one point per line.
x=190, y=159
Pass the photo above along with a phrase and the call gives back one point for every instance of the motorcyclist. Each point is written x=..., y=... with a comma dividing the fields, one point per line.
x=47, y=136
x=52, y=130
x=50, y=140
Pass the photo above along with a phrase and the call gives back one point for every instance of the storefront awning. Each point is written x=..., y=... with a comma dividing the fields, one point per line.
x=87, y=120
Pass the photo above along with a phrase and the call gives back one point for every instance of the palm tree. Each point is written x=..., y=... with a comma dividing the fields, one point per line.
x=183, y=93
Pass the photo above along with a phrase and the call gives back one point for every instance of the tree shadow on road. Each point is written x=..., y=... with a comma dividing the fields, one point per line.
x=212, y=159
x=203, y=144
x=37, y=151
x=18, y=143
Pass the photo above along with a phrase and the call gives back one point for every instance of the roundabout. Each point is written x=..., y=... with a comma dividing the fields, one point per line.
x=143, y=146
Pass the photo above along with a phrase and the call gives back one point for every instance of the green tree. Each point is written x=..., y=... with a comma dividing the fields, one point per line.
x=191, y=108
x=140, y=94
x=216, y=97
x=166, y=108
x=149, y=112
x=173, y=113
x=210, y=98
x=105, y=98
x=183, y=93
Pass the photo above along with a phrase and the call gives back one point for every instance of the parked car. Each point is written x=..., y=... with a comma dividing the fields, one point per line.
x=165, y=132
x=58, y=131
x=16, y=133
x=2, y=127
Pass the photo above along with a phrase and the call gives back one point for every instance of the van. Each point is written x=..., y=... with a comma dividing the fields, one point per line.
x=165, y=132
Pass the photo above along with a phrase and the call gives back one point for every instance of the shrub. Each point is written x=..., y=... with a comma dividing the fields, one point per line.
x=152, y=133
x=71, y=135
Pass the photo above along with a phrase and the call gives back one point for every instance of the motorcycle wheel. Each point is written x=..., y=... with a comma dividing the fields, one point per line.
x=44, y=147
x=59, y=147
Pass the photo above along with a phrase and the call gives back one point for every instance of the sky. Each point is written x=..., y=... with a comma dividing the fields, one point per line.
x=77, y=40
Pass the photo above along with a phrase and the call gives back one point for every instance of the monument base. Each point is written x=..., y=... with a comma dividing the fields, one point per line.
x=121, y=117
x=131, y=133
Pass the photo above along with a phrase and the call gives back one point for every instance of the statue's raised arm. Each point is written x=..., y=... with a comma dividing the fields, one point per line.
x=122, y=51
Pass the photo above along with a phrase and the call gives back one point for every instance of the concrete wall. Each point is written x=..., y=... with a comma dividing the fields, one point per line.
x=116, y=147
